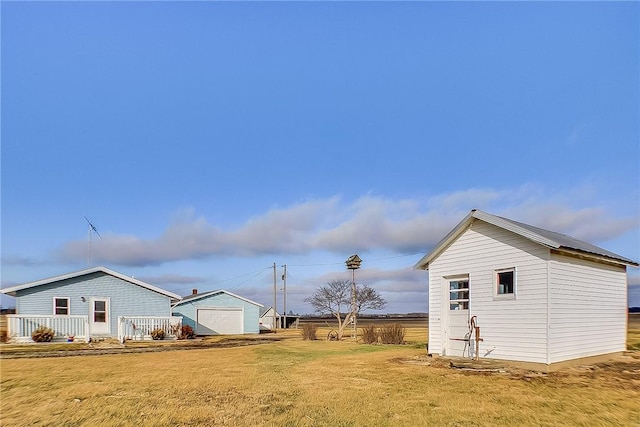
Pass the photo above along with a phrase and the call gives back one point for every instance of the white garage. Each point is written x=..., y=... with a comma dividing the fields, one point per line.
x=219, y=313
x=220, y=321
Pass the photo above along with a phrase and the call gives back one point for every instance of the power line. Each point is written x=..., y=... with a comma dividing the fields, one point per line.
x=367, y=260
x=256, y=272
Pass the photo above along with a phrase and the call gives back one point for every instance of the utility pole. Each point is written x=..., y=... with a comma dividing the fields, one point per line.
x=275, y=298
x=284, y=300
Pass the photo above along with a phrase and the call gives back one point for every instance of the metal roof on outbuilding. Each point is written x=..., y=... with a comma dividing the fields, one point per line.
x=550, y=239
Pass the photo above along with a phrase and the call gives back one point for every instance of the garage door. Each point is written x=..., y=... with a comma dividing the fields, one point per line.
x=220, y=321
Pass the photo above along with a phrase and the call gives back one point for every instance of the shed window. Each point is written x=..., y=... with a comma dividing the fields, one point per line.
x=506, y=282
x=459, y=294
x=61, y=306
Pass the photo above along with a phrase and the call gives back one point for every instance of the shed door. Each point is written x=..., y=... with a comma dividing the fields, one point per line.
x=458, y=291
x=220, y=321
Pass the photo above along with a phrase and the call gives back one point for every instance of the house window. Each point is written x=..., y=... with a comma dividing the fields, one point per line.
x=459, y=294
x=61, y=306
x=506, y=282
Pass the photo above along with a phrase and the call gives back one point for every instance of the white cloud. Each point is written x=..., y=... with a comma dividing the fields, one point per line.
x=171, y=279
x=369, y=223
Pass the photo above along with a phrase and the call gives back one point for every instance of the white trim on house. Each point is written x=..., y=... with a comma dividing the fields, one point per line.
x=55, y=306
x=13, y=289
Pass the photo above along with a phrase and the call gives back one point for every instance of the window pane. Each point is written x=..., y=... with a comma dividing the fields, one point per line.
x=99, y=317
x=100, y=306
x=61, y=306
x=459, y=295
x=459, y=284
x=460, y=305
x=505, y=282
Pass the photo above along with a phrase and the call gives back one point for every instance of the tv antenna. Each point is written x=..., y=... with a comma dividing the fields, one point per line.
x=92, y=229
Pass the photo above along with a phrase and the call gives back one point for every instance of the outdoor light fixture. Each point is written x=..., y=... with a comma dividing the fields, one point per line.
x=353, y=263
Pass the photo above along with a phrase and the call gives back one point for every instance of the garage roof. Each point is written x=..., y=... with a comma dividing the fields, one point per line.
x=191, y=298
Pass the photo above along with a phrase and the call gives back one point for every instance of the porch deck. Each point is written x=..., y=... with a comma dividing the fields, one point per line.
x=21, y=326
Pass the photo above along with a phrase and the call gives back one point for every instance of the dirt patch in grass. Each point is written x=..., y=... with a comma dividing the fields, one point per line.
x=620, y=372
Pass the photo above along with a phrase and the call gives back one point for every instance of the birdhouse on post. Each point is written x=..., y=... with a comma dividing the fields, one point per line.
x=353, y=263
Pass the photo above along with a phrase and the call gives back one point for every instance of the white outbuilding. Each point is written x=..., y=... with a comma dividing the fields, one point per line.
x=534, y=295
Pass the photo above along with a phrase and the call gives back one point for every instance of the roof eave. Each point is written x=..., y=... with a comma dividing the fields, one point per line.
x=424, y=262
x=211, y=293
x=12, y=290
x=596, y=257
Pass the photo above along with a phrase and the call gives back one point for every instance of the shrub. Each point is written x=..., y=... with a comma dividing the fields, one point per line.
x=392, y=334
x=309, y=331
x=186, y=333
x=42, y=334
x=157, y=334
x=369, y=335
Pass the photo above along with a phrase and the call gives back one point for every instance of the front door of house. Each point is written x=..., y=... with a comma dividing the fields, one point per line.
x=458, y=316
x=99, y=318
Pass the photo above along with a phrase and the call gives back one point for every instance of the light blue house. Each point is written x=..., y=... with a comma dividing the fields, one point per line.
x=219, y=313
x=92, y=303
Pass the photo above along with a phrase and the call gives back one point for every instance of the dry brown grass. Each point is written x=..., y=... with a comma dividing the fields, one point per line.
x=300, y=383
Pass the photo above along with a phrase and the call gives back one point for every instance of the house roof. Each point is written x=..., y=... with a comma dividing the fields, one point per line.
x=191, y=298
x=13, y=289
x=547, y=238
x=265, y=310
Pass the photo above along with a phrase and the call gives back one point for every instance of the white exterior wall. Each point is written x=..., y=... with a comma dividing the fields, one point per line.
x=514, y=329
x=588, y=308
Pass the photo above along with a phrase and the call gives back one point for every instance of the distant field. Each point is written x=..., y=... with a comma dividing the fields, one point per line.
x=301, y=383
x=417, y=327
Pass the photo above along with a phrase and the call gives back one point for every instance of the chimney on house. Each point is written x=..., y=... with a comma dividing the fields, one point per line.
x=194, y=292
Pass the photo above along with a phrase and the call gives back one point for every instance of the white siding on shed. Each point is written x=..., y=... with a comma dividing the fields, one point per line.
x=560, y=298
x=512, y=329
x=588, y=305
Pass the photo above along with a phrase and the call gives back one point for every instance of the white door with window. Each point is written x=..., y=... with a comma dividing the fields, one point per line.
x=458, y=327
x=99, y=318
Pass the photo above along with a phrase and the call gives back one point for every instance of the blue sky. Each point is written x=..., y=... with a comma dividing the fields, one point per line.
x=208, y=140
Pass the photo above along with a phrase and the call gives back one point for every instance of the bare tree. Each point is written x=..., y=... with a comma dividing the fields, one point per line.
x=335, y=298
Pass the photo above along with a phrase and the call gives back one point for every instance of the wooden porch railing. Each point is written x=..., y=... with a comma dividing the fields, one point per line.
x=140, y=327
x=20, y=326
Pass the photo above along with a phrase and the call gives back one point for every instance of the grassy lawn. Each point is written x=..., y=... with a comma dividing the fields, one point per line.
x=300, y=383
